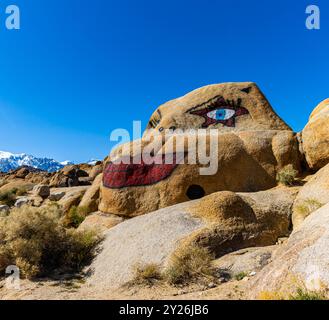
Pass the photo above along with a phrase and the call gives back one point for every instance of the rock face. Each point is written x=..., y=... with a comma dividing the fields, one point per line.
x=303, y=261
x=316, y=137
x=312, y=195
x=17, y=184
x=244, y=161
x=247, y=261
x=145, y=239
x=100, y=221
x=223, y=222
x=70, y=176
x=90, y=200
x=72, y=197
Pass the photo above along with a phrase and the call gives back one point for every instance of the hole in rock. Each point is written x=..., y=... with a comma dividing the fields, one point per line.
x=195, y=192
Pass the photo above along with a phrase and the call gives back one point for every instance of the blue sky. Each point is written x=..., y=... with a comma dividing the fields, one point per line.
x=78, y=69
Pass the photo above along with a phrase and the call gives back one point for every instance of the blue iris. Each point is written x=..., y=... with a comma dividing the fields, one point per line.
x=221, y=114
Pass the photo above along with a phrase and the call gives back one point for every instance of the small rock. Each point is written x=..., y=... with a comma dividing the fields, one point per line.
x=56, y=196
x=4, y=209
x=181, y=292
x=42, y=191
x=212, y=285
x=22, y=202
x=222, y=280
x=252, y=274
x=282, y=240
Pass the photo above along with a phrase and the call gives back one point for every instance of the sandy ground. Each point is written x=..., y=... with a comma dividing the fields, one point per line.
x=78, y=290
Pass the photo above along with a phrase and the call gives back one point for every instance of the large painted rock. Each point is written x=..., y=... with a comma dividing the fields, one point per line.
x=316, y=137
x=241, y=146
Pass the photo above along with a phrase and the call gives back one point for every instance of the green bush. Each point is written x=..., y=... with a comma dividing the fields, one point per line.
x=34, y=240
x=287, y=175
x=240, y=276
x=75, y=217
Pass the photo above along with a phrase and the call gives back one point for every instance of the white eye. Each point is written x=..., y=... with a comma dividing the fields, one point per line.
x=221, y=114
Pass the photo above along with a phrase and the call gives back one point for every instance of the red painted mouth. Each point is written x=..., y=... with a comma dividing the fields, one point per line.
x=122, y=175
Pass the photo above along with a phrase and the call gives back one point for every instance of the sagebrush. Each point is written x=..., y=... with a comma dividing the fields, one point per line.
x=35, y=240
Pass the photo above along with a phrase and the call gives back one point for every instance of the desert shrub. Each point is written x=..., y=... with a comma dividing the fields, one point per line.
x=302, y=294
x=75, y=217
x=189, y=263
x=308, y=206
x=8, y=198
x=146, y=274
x=240, y=276
x=287, y=175
x=34, y=240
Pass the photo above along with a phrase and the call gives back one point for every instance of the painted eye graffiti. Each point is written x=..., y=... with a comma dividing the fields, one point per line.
x=221, y=114
x=219, y=110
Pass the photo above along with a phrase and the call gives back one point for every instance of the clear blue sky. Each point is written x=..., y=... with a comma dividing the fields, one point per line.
x=78, y=69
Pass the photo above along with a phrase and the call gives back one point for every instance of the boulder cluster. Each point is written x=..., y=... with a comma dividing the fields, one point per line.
x=270, y=184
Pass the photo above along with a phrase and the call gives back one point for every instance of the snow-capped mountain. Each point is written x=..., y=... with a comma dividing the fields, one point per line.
x=92, y=162
x=10, y=161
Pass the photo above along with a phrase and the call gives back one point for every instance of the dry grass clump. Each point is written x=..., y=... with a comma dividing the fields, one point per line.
x=189, y=263
x=146, y=274
x=36, y=242
x=302, y=294
x=308, y=206
x=299, y=294
x=287, y=176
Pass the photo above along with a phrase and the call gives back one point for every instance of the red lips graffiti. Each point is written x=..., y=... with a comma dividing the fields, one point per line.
x=120, y=174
